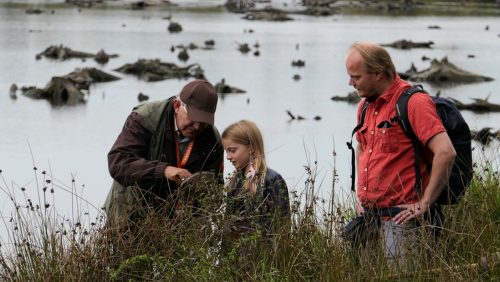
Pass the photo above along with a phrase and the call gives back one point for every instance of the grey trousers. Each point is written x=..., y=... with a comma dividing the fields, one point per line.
x=399, y=241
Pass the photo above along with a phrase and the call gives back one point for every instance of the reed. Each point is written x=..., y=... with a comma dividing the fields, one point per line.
x=43, y=245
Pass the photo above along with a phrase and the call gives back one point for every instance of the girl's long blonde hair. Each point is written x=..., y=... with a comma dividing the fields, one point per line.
x=247, y=133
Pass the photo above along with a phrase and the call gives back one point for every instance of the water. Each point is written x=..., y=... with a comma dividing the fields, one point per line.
x=72, y=142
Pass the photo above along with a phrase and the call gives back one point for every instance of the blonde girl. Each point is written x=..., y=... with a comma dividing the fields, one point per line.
x=257, y=196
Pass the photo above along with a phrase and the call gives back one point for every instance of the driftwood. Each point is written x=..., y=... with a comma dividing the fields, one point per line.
x=298, y=63
x=238, y=6
x=479, y=105
x=83, y=78
x=443, y=72
x=434, y=27
x=150, y=3
x=190, y=46
x=84, y=3
x=485, y=136
x=183, y=55
x=351, y=98
x=210, y=43
x=142, y=97
x=293, y=117
x=33, y=11
x=268, y=14
x=63, y=53
x=223, y=88
x=155, y=70
x=12, y=91
x=59, y=91
x=102, y=57
x=68, y=89
x=243, y=48
x=319, y=11
x=174, y=27
x=408, y=44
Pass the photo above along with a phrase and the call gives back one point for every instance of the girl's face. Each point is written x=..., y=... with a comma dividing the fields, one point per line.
x=237, y=154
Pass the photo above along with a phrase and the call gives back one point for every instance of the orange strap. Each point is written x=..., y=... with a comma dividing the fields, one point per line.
x=182, y=162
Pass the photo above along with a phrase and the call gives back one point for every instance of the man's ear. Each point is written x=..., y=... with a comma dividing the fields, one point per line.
x=177, y=104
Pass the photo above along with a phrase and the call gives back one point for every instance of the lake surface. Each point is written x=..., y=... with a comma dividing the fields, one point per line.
x=71, y=142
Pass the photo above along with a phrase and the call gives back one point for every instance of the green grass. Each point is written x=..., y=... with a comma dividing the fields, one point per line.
x=43, y=245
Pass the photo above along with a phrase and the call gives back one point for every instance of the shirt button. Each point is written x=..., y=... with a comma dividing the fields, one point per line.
x=364, y=188
x=371, y=132
x=376, y=113
x=366, y=169
x=370, y=150
x=383, y=131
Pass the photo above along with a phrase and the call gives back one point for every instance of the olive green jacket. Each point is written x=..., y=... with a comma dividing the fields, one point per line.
x=142, y=151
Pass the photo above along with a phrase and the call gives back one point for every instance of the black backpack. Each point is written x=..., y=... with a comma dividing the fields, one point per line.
x=457, y=130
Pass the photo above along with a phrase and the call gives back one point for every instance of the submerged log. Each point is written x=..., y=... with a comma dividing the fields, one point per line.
x=351, y=98
x=479, y=105
x=174, y=27
x=150, y=3
x=68, y=89
x=142, y=97
x=12, y=91
x=293, y=117
x=223, y=88
x=155, y=70
x=83, y=78
x=298, y=63
x=33, y=11
x=485, y=136
x=183, y=55
x=58, y=91
x=238, y=6
x=210, y=43
x=243, y=48
x=102, y=57
x=268, y=14
x=190, y=46
x=443, y=72
x=63, y=53
x=408, y=44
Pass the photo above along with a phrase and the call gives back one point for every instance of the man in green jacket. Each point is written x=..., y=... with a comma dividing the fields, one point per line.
x=161, y=144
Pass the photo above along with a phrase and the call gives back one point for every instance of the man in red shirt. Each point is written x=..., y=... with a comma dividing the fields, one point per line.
x=385, y=156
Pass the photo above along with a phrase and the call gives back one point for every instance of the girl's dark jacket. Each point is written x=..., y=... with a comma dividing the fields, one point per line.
x=266, y=211
x=142, y=151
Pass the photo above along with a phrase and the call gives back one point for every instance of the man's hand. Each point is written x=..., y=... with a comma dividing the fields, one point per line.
x=176, y=174
x=411, y=211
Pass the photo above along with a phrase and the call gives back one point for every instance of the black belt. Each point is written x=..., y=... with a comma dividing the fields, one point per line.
x=379, y=212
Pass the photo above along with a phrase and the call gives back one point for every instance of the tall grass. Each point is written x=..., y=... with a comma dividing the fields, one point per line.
x=43, y=245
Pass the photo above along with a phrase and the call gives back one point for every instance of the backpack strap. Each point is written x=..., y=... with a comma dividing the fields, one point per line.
x=349, y=144
x=404, y=122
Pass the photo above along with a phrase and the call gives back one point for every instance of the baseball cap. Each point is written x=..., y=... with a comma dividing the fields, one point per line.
x=200, y=98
